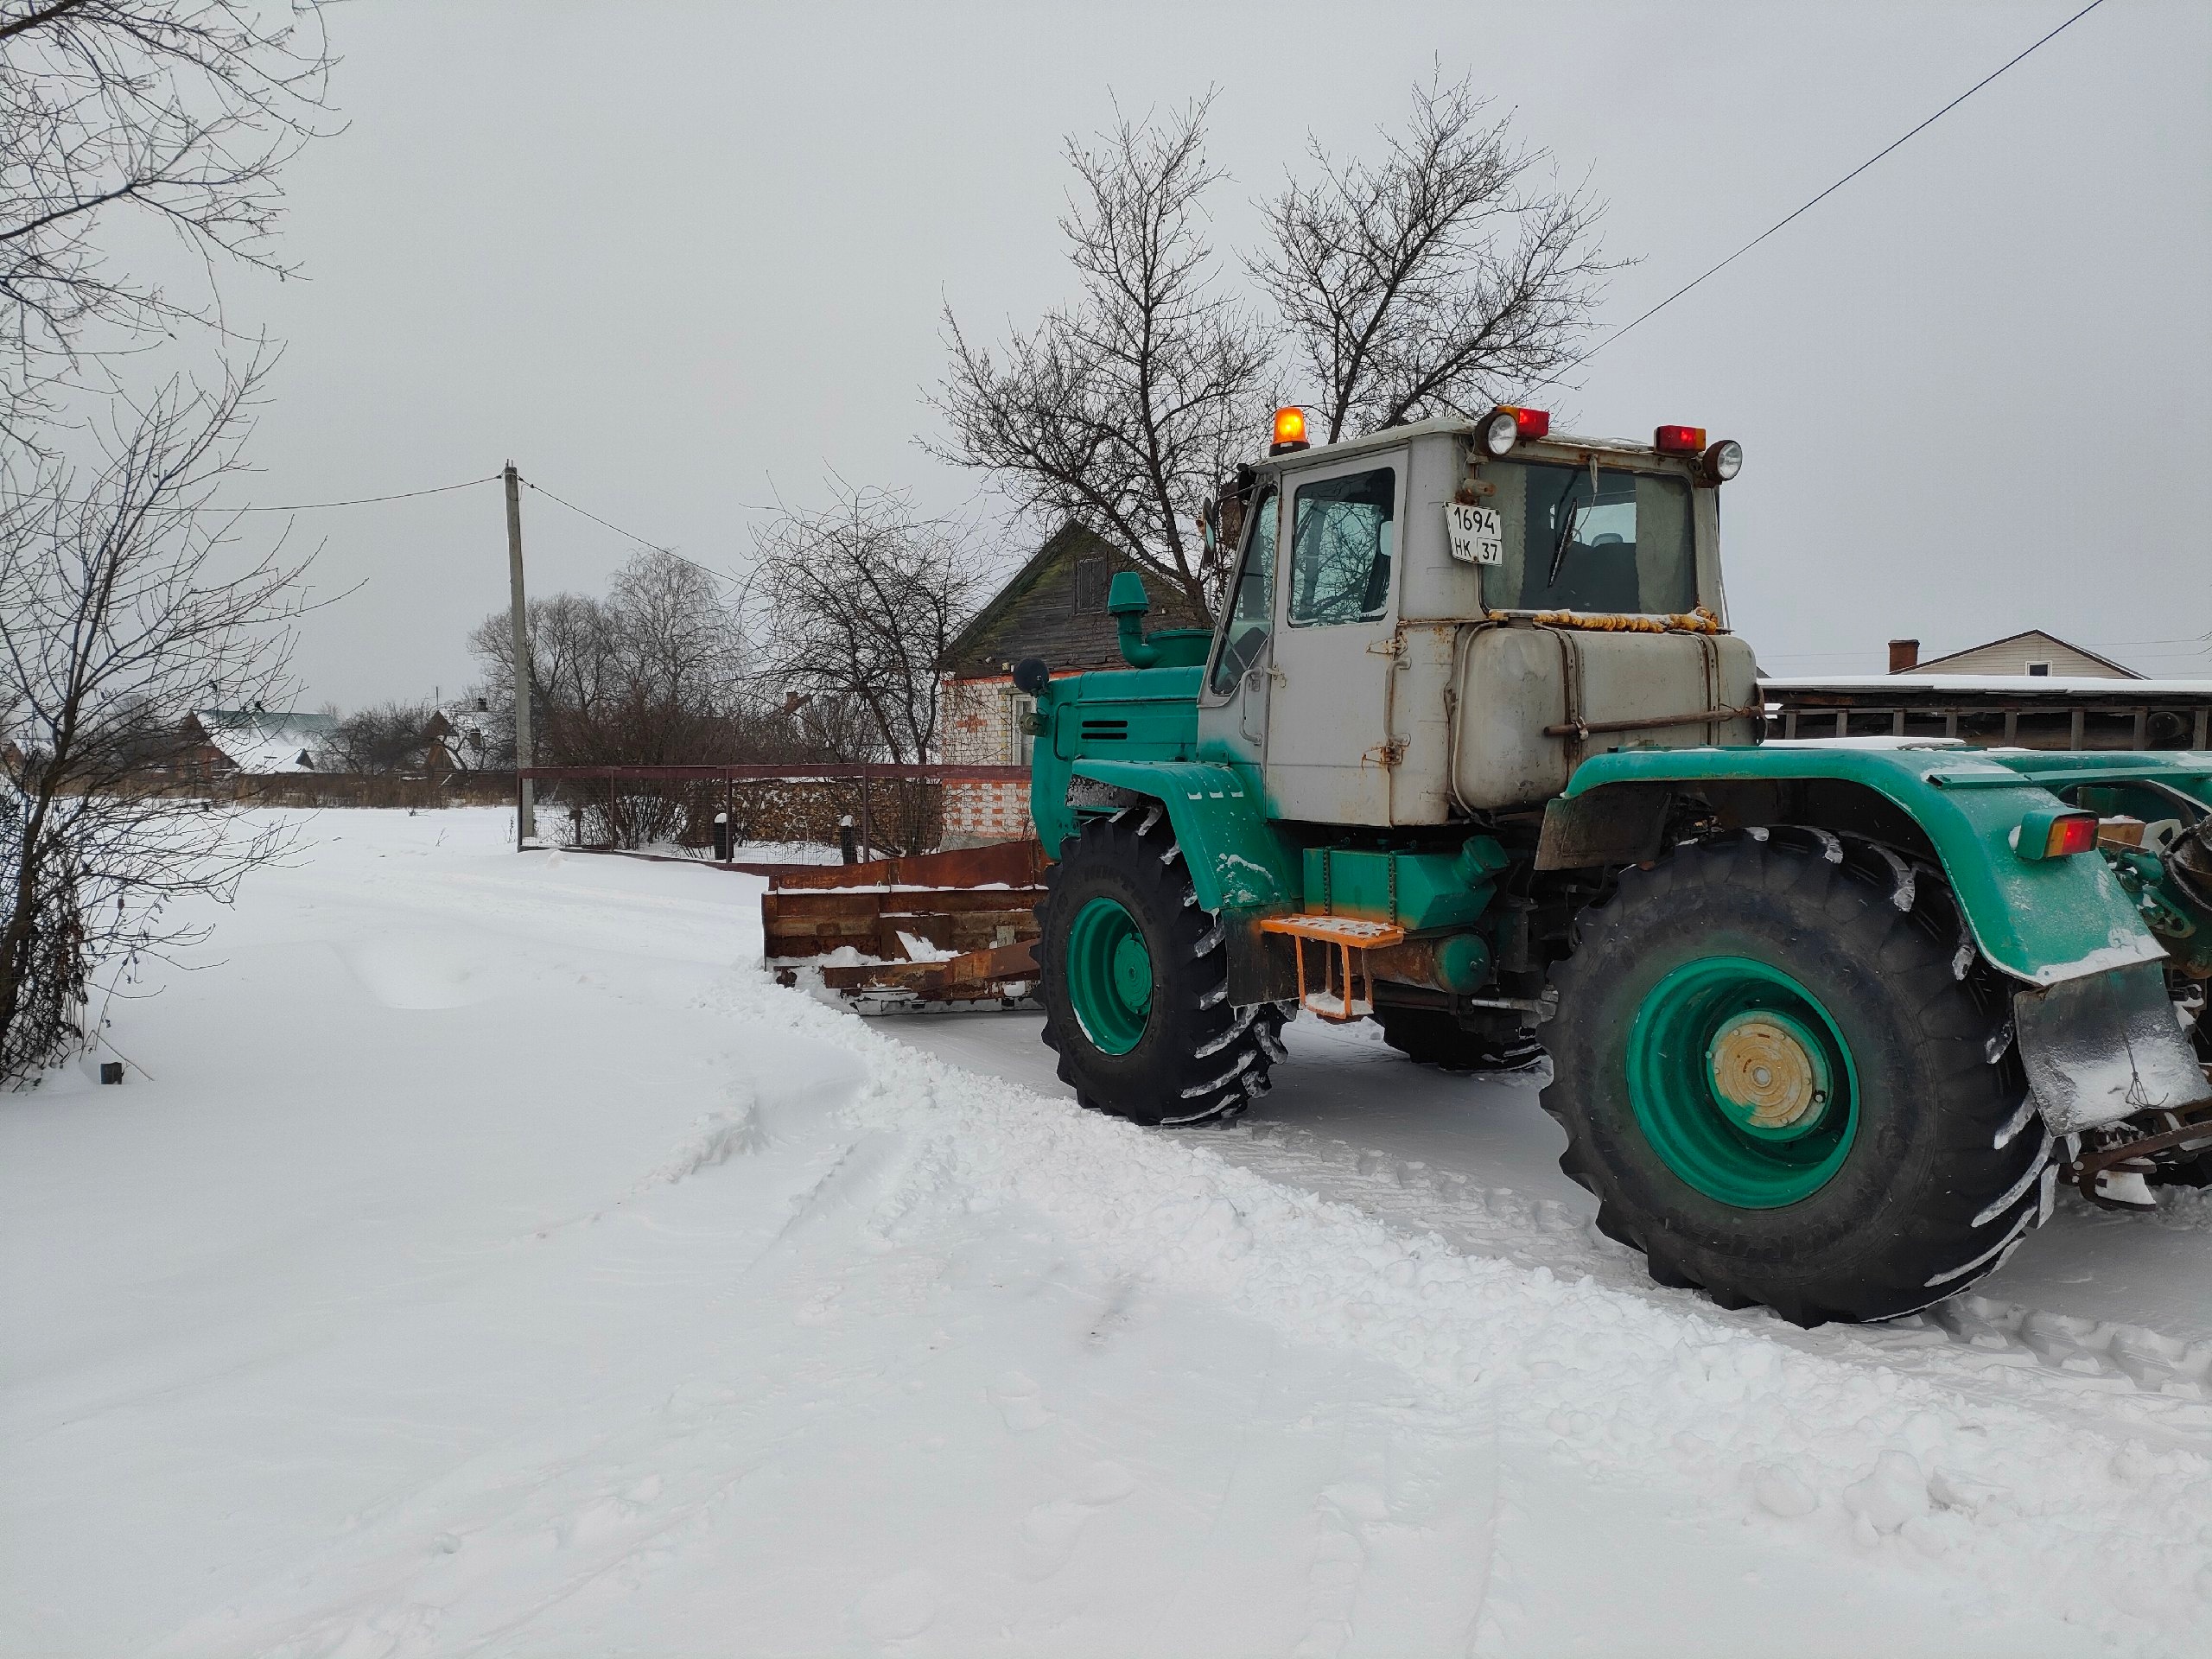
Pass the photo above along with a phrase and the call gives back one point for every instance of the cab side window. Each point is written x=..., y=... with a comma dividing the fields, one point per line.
x=1342, y=535
x=1251, y=609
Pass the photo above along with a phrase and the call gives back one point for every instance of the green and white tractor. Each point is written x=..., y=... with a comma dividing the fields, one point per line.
x=1473, y=753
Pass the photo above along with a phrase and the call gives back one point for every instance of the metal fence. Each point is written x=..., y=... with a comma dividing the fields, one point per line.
x=876, y=807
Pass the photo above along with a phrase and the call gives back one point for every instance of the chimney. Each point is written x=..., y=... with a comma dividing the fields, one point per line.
x=1904, y=656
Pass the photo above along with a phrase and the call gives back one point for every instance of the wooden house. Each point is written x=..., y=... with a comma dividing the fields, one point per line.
x=1053, y=607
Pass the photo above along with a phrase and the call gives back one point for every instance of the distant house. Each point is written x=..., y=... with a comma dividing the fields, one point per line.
x=458, y=739
x=1053, y=607
x=224, y=743
x=2028, y=690
x=2034, y=655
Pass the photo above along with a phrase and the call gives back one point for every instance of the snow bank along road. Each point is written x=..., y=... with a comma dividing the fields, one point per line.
x=497, y=1262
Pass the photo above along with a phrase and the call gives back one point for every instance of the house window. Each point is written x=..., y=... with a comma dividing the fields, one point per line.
x=1017, y=744
x=2039, y=670
x=1090, y=585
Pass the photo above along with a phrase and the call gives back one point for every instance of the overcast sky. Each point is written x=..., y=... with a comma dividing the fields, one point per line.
x=680, y=260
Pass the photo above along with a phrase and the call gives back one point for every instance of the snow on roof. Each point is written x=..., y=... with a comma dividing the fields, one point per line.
x=260, y=743
x=2075, y=685
x=467, y=734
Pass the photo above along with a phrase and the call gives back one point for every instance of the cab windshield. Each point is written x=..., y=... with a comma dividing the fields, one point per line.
x=1579, y=538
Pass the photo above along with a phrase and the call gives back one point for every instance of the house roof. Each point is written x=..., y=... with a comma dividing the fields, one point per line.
x=2037, y=687
x=1035, y=614
x=261, y=742
x=1928, y=664
x=466, y=732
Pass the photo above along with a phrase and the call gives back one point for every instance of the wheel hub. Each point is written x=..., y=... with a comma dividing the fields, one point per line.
x=1742, y=1082
x=1133, y=972
x=1769, y=1076
x=1108, y=976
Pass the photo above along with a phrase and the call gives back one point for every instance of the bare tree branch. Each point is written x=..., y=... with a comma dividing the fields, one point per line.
x=864, y=598
x=177, y=112
x=1432, y=281
x=115, y=615
x=1123, y=410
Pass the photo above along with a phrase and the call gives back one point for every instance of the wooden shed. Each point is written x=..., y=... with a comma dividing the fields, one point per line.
x=1055, y=607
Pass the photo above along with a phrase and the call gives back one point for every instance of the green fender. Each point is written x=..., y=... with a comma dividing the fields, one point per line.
x=1237, y=860
x=2045, y=921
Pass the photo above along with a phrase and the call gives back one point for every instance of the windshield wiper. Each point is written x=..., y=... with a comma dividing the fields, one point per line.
x=1566, y=529
x=1566, y=524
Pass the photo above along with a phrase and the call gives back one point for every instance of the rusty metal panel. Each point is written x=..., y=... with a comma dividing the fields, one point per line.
x=1012, y=863
x=1624, y=824
x=979, y=903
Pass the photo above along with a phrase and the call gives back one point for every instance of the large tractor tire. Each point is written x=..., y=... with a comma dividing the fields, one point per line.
x=1135, y=979
x=1432, y=1036
x=1789, y=1082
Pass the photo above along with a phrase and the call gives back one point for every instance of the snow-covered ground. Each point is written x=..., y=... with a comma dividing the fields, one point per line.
x=495, y=1261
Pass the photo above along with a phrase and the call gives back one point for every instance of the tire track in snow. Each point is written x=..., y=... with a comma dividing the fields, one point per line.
x=2082, y=1368
x=1988, y=1476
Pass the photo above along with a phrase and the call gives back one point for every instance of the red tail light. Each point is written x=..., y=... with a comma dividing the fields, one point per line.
x=1679, y=439
x=2075, y=833
x=2055, y=832
x=1530, y=423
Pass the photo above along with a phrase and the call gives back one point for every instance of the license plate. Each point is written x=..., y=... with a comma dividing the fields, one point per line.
x=1478, y=533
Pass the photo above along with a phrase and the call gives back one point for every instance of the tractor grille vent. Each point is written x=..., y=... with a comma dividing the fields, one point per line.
x=1113, y=730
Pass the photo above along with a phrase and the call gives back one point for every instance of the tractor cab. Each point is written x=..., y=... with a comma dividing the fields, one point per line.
x=1354, y=666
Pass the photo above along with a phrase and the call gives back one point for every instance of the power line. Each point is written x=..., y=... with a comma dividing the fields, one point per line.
x=359, y=500
x=1826, y=194
x=631, y=535
x=408, y=495
x=296, y=506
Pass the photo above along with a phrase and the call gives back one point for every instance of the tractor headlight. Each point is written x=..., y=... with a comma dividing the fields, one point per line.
x=1724, y=461
x=1509, y=424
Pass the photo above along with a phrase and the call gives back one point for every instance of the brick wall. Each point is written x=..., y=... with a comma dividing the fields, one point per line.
x=975, y=813
x=980, y=722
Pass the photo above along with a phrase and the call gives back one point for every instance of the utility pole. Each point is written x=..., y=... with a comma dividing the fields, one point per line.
x=527, y=799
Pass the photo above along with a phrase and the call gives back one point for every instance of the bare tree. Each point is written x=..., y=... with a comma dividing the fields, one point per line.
x=113, y=602
x=1434, y=280
x=390, y=737
x=864, y=598
x=1124, y=409
x=173, y=113
x=679, y=643
x=573, y=666
x=653, y=674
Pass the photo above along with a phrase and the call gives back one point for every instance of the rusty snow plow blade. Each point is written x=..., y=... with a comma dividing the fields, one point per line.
x=931, y=932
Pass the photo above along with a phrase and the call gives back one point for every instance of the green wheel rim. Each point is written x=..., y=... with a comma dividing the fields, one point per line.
x=1108, y=976
x=1742, y=1082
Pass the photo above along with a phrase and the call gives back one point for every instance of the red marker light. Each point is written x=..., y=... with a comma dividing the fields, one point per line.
x=2075, y=833
x=1679, y=439
x=1531, y=422
x=2054, y=832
